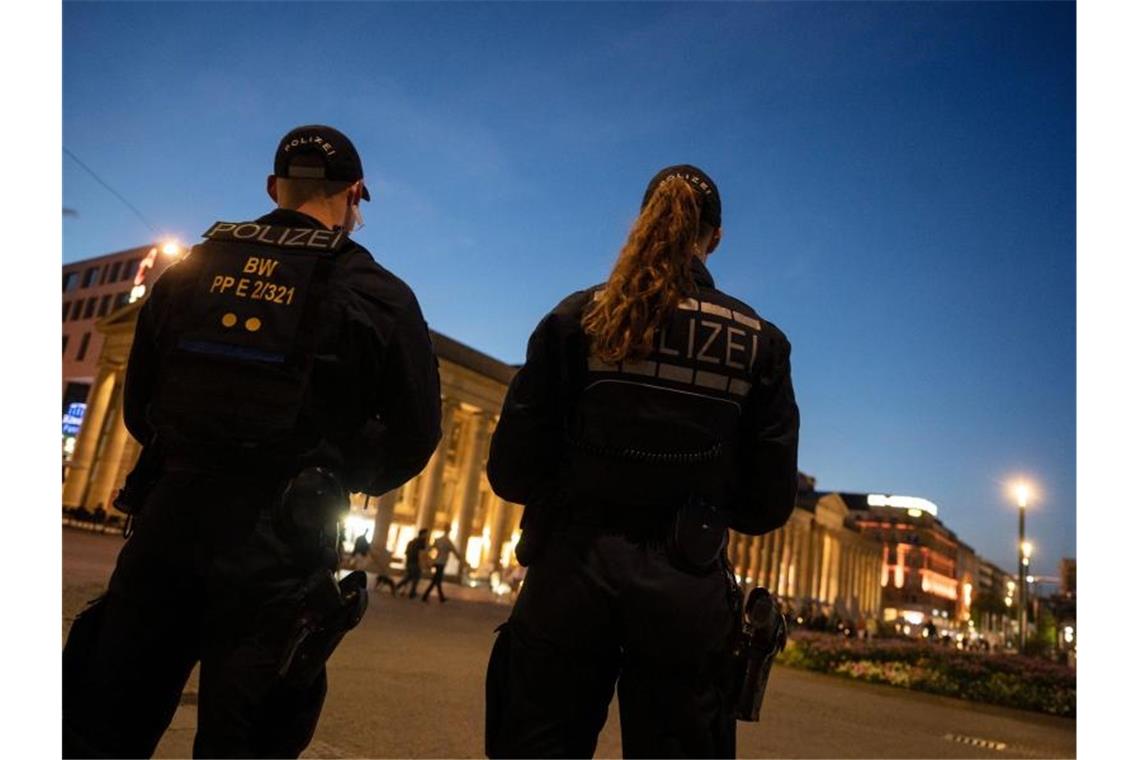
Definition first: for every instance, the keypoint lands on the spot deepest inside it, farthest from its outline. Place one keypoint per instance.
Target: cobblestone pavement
(409, 683)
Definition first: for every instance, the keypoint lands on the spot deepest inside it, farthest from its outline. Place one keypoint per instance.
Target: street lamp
(1025, 549)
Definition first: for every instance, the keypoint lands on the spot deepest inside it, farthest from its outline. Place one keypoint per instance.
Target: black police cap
(707, 193)
(338, 155)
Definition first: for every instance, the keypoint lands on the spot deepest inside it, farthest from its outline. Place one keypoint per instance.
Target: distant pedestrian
(360, 549)
(412, 571)
(443, 549)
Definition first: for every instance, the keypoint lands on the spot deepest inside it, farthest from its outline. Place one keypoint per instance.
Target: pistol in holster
(763, 635)
(327, 610)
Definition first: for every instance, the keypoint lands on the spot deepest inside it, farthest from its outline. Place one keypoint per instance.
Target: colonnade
(451, 495)
(809, 563)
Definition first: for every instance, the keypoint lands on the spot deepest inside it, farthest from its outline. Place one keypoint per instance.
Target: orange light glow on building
(938, 584)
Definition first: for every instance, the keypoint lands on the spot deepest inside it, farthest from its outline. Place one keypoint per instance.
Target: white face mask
(357, 219)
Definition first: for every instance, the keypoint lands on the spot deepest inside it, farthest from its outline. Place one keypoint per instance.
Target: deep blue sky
(898, 184)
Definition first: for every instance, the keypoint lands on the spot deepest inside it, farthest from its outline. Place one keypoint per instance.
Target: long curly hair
(652, 274)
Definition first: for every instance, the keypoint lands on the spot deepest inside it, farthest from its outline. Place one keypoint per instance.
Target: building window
(130, 269)
(65, 344)
(76, 309)
(82, 352)
(66, 306)
(70, 281)
(89, 276)
(90, 310)
(113, 270)
(122, 299)
(104, 304)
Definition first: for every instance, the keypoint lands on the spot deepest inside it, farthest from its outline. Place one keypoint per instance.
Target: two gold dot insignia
(229, 319)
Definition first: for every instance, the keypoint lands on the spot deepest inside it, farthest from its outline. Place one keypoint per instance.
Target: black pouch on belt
(697, 537)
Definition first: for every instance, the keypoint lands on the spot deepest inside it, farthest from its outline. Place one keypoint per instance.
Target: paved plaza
(409, 683)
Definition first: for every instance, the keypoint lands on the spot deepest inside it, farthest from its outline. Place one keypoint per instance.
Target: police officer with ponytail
(274, 370)
(653, 413)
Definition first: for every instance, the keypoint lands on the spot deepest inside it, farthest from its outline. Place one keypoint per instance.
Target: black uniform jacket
(710, 412)
(374, 388)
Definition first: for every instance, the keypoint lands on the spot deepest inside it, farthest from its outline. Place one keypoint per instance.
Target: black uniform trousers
(204, 578)
(597, 608)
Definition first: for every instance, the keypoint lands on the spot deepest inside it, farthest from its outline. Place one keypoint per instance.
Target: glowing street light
(1022, 491)
(171, 248)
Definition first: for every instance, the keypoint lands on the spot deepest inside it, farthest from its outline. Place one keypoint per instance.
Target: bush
(1007, 680)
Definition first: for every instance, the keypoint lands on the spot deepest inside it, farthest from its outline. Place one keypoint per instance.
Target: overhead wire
(111, 190)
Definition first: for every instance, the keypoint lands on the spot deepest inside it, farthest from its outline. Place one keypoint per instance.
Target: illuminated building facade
(814, 563)
(926, 572)
(451, 494)
(92, 289)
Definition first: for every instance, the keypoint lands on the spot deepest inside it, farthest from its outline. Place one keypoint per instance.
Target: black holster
(763, 635)
(327, 611)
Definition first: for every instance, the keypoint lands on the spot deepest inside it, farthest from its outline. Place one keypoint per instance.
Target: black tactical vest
(655, 430)
(239, 338)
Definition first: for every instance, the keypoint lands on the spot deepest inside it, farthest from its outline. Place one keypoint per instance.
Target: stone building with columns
(815, 562)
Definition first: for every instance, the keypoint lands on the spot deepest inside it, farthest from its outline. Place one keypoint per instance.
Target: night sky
(898, 182)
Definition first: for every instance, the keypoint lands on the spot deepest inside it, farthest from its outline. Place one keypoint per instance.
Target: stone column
(868, 582)
(500, 531)
(79, 472)
(872, 583)
(432, 486)
(471, 473)
(801, 562)
(385, 507)
(843, 595)
(778, 569)
(770, 561)
(804, 583)
(748, 557)
(494, 534)
(792, 565)
(849, 581)
(106, 468)
(832, 568)
(761, 559)
(808, 584)
(789, 549)
(816, 558)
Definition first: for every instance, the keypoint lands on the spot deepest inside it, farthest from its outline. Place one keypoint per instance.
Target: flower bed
(1007, 680)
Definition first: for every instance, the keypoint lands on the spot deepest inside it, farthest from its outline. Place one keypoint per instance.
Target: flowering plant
(1008, 680)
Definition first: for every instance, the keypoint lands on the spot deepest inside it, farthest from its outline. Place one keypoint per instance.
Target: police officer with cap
(653, 412)
(274, 370)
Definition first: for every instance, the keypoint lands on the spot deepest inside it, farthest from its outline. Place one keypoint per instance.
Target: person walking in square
(442, 549)
(413, 570)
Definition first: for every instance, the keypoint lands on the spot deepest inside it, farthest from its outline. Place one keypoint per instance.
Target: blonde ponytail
(652, 274)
